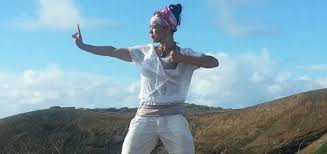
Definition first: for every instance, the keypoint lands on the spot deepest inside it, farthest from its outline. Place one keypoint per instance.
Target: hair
(177, 10)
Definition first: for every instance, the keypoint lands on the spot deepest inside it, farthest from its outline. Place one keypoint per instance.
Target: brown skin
(120, 53)
(159, 34)
(164, 36)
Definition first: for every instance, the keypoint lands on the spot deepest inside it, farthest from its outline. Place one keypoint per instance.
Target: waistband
(161, 110)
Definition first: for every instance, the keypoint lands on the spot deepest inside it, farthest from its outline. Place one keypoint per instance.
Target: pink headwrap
(165, 17)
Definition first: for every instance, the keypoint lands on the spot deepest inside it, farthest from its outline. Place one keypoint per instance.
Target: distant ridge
(296, 123)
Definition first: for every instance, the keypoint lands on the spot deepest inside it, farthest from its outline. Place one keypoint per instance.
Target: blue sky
(267, 50)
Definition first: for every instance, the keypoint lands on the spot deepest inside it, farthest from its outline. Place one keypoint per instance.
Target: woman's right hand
(78, 37)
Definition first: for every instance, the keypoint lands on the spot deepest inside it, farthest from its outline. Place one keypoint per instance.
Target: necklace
(164, 52)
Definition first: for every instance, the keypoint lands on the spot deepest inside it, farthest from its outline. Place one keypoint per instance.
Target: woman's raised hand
(78, 37)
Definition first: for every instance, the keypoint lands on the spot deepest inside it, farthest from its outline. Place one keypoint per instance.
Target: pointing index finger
(78, 29)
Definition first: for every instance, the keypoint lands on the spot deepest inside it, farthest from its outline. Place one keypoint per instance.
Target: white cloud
(247, 79)
(317, 67)
(226, 17)
(52, 86)
(58, 15)
(323, 82)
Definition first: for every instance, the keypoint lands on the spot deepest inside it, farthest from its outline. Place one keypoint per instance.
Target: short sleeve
(190, 52)
(137, 53)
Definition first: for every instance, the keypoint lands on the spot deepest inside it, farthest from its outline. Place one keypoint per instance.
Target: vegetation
(322, 149)
(286, 125)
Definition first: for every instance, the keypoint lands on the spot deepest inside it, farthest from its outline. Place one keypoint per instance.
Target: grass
(322, 149)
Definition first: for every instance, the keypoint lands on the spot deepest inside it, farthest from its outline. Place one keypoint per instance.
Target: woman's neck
(167, 44)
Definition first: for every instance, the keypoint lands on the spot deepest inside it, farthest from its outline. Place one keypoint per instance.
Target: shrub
(322, 149)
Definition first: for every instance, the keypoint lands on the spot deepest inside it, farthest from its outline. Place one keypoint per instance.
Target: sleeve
(190, 52)
(137, 54)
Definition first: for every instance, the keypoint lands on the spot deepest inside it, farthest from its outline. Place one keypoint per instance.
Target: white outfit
(172, 130)
(160, 86)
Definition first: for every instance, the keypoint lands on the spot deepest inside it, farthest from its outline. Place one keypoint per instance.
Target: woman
(166, 72)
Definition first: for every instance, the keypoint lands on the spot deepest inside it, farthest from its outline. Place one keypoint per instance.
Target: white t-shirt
(161, 86)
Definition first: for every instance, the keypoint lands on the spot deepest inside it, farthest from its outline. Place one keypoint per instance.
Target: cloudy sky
(267, 50)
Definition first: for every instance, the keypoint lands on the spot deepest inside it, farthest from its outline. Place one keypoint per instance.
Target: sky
(267, 50)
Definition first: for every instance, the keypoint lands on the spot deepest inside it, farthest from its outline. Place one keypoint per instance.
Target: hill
(287, 125)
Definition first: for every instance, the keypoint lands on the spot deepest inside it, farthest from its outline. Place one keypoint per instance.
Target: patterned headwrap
(165, 17)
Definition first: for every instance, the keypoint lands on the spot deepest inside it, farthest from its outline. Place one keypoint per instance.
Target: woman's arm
(120, 53)
(202, 61)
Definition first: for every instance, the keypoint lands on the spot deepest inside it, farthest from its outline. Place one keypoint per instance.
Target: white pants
(172, 130)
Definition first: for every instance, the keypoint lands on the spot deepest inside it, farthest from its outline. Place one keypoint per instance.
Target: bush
(322, 149)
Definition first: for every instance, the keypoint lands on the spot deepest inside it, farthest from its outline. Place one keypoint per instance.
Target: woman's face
(157, 32)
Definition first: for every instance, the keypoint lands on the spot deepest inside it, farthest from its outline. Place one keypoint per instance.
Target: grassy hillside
(287, 125)
(281, 126)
